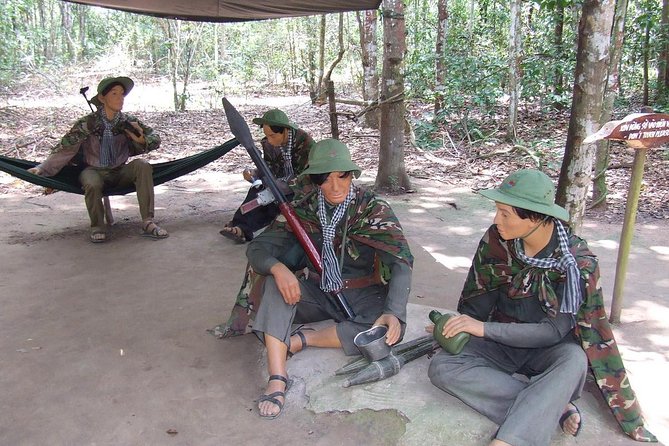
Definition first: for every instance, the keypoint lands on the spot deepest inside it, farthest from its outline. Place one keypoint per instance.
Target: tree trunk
(515, 49)
(66, 25)
(558, 41)
(470, 19)
(440, 61)
(663, 57)
(370, 81)
(590, 75)
(310, 58)
(646, 57)
(340, 54)
(82, 12)
(392, 174)
(599, 189)
(321, 57)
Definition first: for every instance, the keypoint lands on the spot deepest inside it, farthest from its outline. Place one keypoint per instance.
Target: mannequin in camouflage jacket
(101, 143)
(533, 306)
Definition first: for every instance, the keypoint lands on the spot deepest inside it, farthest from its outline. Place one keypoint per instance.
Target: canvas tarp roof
(232, 10)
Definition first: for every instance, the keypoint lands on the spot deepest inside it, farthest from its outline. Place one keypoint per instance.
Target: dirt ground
(107, 344)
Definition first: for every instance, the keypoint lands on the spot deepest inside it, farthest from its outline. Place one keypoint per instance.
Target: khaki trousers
(94, 180)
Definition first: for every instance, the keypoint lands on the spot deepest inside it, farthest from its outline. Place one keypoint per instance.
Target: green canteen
(454, 344)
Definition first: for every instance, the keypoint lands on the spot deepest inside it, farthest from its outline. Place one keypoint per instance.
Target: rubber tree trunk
(515, 43)
(663, 56)
(392, 175)
(599, 189)
(370, 80)
(558, 42)
(440, 59)
(590, 76)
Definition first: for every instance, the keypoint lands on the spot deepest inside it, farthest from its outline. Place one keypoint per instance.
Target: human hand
(250, 175)
(394, 327)
(137, 135)
(35, 171)
(463, 323)
(429, 328)
(287, 283)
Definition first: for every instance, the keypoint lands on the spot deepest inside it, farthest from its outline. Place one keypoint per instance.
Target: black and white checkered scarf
(572, 299)
(107, 155)
(287, 152)
(331, 277)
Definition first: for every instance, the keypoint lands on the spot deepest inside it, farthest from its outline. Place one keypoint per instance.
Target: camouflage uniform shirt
(81, 145)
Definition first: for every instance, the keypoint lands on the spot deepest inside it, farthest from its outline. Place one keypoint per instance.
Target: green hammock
(67, 179)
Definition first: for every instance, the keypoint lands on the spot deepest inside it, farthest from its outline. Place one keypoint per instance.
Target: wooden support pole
(627, 233)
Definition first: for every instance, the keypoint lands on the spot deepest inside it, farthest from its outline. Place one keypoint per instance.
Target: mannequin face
(335, 189)
(113, 100)
(275, 139)
(510, 225)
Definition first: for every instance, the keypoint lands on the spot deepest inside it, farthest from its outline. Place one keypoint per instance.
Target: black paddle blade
(238, 126)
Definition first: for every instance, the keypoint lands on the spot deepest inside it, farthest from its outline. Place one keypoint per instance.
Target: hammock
(67, 179)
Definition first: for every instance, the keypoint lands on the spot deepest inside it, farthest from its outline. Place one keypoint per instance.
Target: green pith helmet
(528, 189)
(126, 82)
(330, 155)
(275, 117)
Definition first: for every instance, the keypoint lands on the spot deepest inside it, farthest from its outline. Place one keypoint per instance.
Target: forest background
(461, 71)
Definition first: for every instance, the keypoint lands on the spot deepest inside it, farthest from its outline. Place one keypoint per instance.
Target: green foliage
(283, 54)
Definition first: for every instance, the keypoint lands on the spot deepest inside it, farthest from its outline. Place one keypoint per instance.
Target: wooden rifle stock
(241, 131)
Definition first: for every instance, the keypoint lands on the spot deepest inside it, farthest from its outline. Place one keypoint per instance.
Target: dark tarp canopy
(232, 10)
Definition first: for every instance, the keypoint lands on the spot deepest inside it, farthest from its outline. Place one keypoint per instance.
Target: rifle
(241, 131)
(83, 91)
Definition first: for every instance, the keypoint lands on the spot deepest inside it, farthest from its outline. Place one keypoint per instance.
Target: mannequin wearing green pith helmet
(285, 150)
(533, 306)
(101, 144)
(364, 253)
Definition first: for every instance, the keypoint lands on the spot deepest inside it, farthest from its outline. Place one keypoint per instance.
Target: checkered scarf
(107, 156)
(286, 151)
(572, 298)
(331, 277)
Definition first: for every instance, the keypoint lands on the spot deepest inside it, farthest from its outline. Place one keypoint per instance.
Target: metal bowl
(372, 343)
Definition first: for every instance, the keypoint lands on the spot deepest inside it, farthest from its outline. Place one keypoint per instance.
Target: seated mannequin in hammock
(106, 139)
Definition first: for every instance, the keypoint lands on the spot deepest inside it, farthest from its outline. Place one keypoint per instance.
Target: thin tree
(558, 43)
(663, 56)
(440, 59)
(183, 39)
(646, 59)
(321, 59)
(370, 76)
(392, 173)
(599, 189)
(590, 76)
(515, 44)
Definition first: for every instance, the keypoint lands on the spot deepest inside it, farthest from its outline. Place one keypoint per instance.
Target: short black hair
(319, 178)
(110, 86)
(532, 215)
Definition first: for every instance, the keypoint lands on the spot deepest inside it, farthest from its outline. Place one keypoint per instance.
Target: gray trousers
(94, 180)
(275, 317)
(527, 412)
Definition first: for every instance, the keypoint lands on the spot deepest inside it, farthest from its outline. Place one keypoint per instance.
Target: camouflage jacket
(496, 264)
(302, 143)
(81, 145)
(370, 222)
